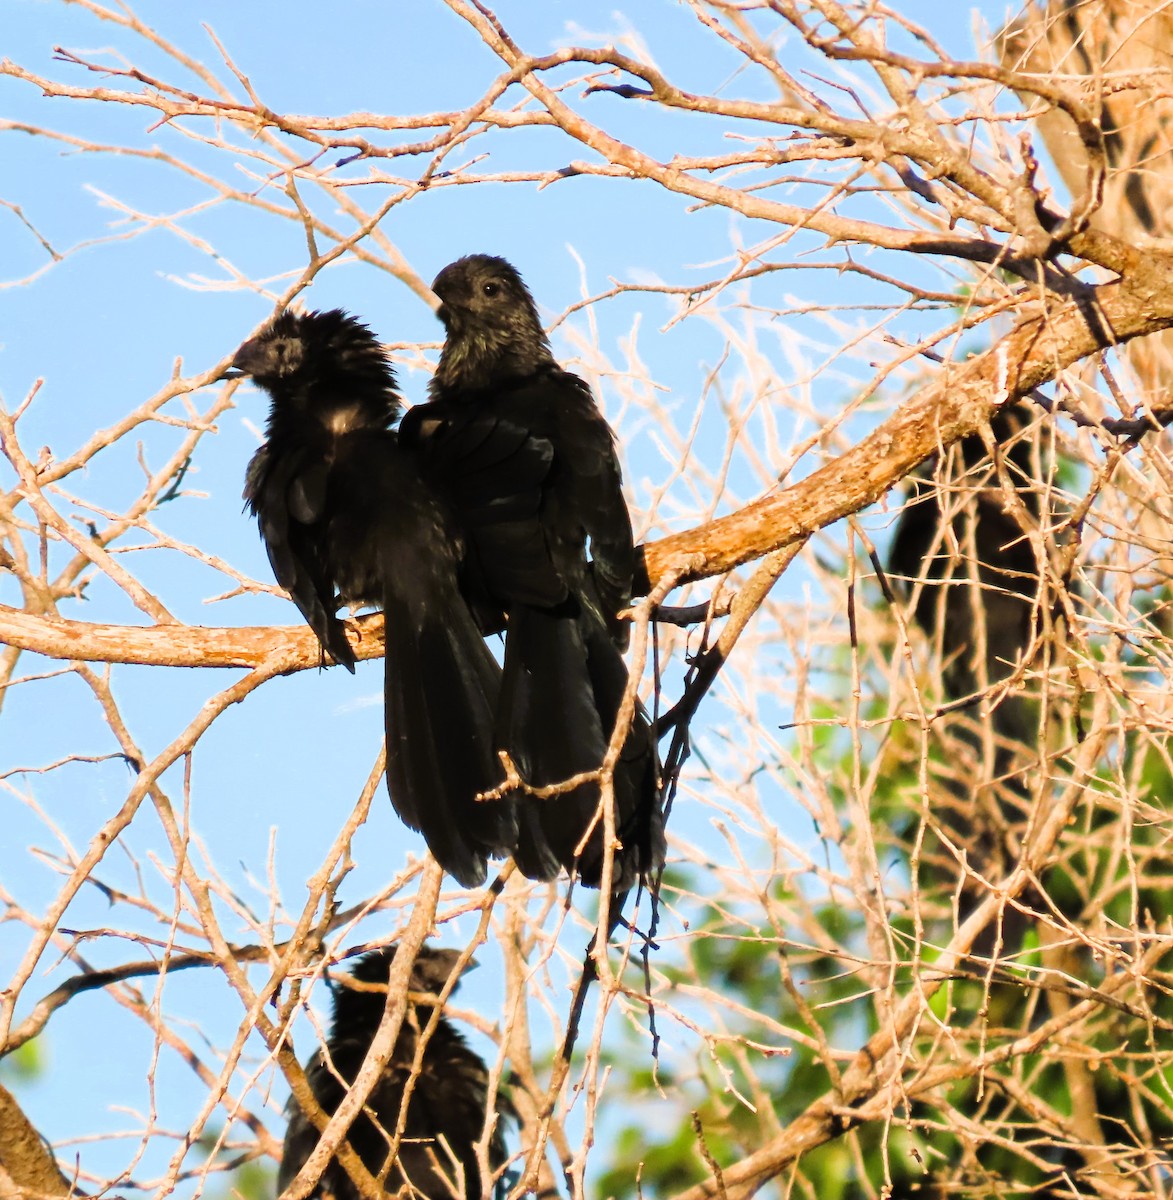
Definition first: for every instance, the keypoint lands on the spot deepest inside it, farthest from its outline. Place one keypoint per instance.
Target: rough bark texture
(27, 1168)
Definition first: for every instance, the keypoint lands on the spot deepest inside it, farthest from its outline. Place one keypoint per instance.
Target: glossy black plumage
(446, 1110)
(347, 518)
(497, 384)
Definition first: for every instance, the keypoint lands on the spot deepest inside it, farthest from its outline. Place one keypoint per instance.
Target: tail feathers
(550, 726)
(535, 857)
(441, 691)
(639, 818)
(561, 693)
(637, 786)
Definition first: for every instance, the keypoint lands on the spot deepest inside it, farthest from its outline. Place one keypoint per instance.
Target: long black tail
(561, 694)
(441, 692)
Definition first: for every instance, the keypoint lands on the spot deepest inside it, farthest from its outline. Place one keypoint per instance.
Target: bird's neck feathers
(357, 1014)
(337, 402)
(478, 355)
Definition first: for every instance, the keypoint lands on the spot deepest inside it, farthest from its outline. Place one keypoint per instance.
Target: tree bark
(27, 1167)
(962, 397)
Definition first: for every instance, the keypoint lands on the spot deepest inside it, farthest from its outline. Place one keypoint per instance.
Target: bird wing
(494, 472)
(286, 489)
(589, 462)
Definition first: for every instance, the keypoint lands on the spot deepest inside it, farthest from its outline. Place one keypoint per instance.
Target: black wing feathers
(293, 540)
(347, 517)
(494, 473)
(564, 674)
(594, 486)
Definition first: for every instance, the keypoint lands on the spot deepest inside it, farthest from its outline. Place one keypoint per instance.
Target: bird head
(277, 352)
(493, 325)
(321, 360)
(429, 972)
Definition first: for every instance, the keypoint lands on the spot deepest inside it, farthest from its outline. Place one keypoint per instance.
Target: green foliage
(25, 1063)
(1018, 1126)
(246, 1179)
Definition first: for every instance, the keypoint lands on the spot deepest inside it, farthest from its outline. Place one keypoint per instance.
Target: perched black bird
(497, 384)
(984, 602)
(346, 517)
(447, 1107)
(980, 587)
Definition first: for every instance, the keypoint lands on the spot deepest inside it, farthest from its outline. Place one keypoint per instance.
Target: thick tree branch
(957, 403)
(960, 399)
(285, 649)
(27, 1168)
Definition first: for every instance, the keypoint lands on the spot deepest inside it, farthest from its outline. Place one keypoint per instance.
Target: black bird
(346, 517)
(983, 602)
(446, 1110)
(979, 590)
(497, 383)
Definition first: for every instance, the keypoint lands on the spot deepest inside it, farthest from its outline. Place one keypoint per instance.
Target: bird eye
(491, 288)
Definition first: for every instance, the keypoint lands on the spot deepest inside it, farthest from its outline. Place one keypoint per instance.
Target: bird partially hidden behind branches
(347, 518)
(565, 675)
(447, 1107)
(962, 548)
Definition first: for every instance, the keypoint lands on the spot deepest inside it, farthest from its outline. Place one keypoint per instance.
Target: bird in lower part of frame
(564, 675)
(347, 518)
(446, 1110)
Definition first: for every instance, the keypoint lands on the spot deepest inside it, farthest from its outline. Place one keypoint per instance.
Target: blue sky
(104, 327)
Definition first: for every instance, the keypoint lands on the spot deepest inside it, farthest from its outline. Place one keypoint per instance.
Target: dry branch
(27, 1168)
(917, 161)
(954, 405)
